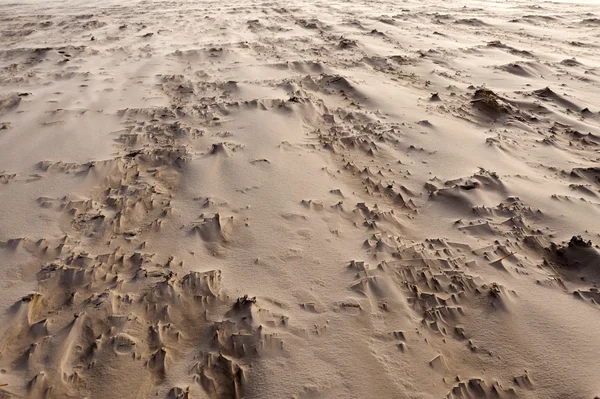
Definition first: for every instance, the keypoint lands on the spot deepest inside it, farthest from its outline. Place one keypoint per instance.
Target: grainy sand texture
(299, 199)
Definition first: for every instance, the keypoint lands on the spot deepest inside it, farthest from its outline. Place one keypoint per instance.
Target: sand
(300, 199)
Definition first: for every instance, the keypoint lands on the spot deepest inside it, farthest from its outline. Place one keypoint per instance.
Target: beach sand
(285, 199)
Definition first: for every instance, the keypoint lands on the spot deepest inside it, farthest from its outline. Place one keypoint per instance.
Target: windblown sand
(299, 199)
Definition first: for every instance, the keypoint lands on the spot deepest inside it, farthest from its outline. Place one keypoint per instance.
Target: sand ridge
(308, 200)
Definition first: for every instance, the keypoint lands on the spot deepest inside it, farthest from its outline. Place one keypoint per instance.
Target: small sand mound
(490, 104)
(591, 21)
(337, 82)
(471, 22)
(9, 102)
(577, 260)
(310, 23)
(516, 69)
(345, 44)
(548, 94)
(591, 174)
(571, 62)
(123, 343)
(498, 44)
(541, 18)
(218, 148)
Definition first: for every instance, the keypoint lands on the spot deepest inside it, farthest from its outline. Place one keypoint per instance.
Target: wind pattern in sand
(299, 199)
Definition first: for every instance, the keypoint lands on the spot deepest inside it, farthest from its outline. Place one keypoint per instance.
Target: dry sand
(299, 199)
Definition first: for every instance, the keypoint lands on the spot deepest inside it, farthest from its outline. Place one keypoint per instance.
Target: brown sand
(299, 199)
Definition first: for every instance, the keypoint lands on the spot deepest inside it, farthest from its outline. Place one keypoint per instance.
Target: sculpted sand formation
(299, 199)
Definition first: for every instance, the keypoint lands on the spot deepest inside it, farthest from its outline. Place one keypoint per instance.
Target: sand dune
(299, 199)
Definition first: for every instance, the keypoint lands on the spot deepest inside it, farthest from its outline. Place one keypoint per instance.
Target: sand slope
(308, 200)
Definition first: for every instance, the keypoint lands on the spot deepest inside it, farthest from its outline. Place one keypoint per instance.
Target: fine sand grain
(299, 199)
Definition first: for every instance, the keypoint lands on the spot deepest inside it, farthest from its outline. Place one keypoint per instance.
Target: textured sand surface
(299, 199)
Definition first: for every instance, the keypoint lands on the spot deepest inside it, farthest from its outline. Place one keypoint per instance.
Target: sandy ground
(299, 199)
